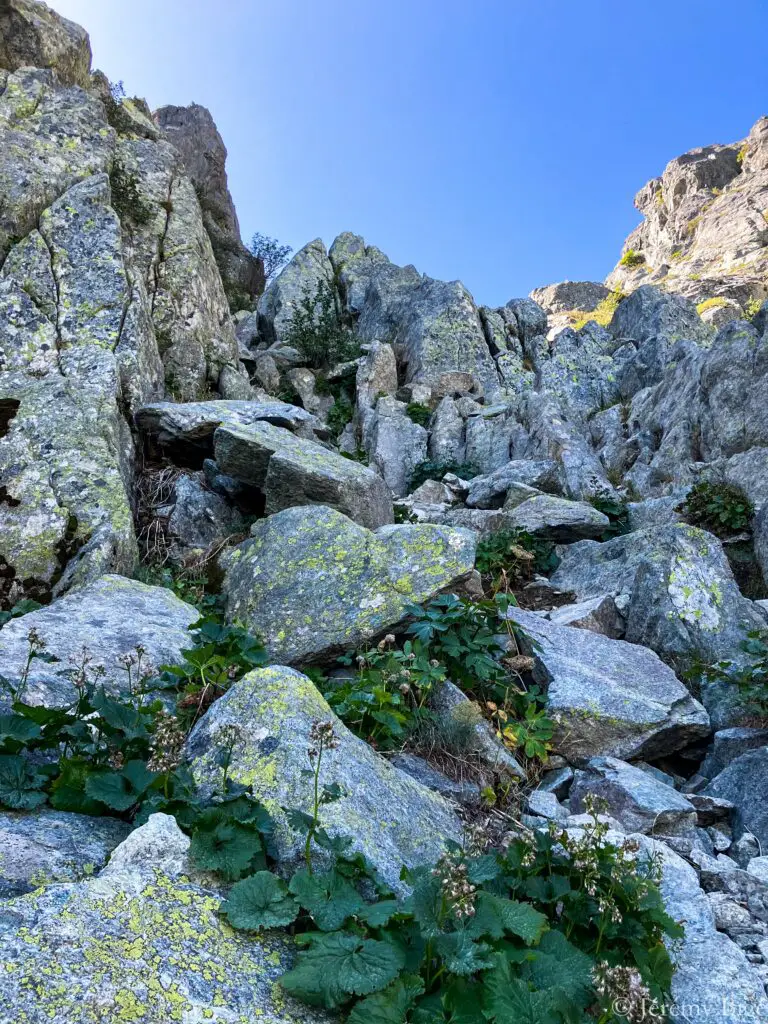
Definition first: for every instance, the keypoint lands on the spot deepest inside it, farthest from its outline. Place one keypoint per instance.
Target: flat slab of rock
(392, 819)
(558, 519)
(109, 618)
(41, 847)
(597, 614)
(177, 426)
(491, 490)
(312, 583)
(140, 943)
(292, 471)
(635, 799)
(609, 697)
(745, 783)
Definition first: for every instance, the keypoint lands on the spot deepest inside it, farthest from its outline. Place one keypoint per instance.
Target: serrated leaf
(558, 965)
(426, 903)
(227, 847)
(483, 869)
(123, 718)
(390, 1006)
(18, 728)
(328, 897)
(120, 790)
(299, 820)
(377, 915)
(496, 916)
(339, 965)
(68, 789)
(20, 784)
(260, 901)
(507, 998)
(462, 955)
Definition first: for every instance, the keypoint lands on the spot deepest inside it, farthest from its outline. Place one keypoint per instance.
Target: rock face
(142, 943)
(609, 697)
(739, 782)
(393, 819)
(193, 132)
(110, 617)
(703, 233)
(51, 846)
(33, 35)
(312, 583)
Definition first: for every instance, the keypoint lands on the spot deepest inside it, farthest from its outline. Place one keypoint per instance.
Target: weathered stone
(490, 491)
(546, 805)
(557, 781)
(110, 617)
(42, 847)
(311, 582)
(390, 817)
(200, 519)
(635, 798)
(467, 793)
(309, 269)
(142, 943)
(558, 519)
(758, 867)
(598, 614)
(745, 777)
(292, 471)
(710, 810)
(608, 697)
(395, 444)
(192, 131)
(33, 35)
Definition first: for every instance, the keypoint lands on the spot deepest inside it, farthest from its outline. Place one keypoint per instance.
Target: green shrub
(515, 553)
(714, 303)
(750, 678)
(431, 470)
(718, 507)
(419, 413)
(603, 313)
(617, 512)
(272, 253)
(317, 330)
(632, 259)
(752, 308)
(126, 198)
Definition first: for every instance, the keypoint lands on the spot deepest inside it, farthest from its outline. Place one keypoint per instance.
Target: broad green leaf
(390, 1006)
(558, 965)
(260, 901)
(20, 784)
(329, 898)
(463, 956)
(120, 790)
(68, 789)
(426, 903)
(18, 728)
(226, 847)
(339, 965)
(496, 916)
(121, 717)
(377, 915)
(508, 998)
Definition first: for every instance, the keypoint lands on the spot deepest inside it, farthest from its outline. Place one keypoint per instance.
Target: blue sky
(496, 141)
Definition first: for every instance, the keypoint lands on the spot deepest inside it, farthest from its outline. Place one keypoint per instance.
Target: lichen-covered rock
(140, 943)
(395, 444)
(193, 132)
(490, 491)
(636, 799)
(558, 519)
(391, 818)
(598, 614)
(292, 471)
(308, 270)
(311, 582)
(609, 697)
(33, 35)
(683, 600)
(200, 518)
(41, 847)
(110, 617)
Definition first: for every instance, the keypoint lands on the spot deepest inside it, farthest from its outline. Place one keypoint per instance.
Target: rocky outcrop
(140, 942)
(33, 35)
(392, 818)
(312, 583)
(192, 131)
(704, 233)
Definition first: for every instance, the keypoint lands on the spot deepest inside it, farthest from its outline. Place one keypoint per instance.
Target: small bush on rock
(632, 259)
(751, 679)
(272, 253)
(418, 413)
(318, 331)
(431, 470)
(126, 198)
(718, 507)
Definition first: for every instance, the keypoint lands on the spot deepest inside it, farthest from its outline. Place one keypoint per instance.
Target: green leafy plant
(386, 700)
(272, 253)
(431, 470)
(617, 512)
(317, 329)
(126, 197)
(749, 676)
(751, 308)
(515, 553)
(718, 507)
(20, 608)
(602, 314)
(418, 413)
(632, 259)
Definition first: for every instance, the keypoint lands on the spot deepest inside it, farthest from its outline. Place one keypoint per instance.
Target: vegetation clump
(126, 197)
(418, 413)
(603, 312)
(434, 470)
(516, 554)
(632, 259)
(318, 330)
(272, 253)
(714, 303)
(721, 508)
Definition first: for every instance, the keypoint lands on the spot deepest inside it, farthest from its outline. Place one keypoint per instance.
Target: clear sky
(496, 141)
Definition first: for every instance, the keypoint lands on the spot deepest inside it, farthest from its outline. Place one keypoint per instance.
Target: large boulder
(608, 697)
(292, 471)
(42, 847)
(33, 35)
(491, 490)
(198, 520)
(745, 782)
(140, 943)
(545, 515)
(307, 271)
(683, 600)
(635, 798)
(313, 583)
(109, 618)
(392, 819)
(193, 132)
